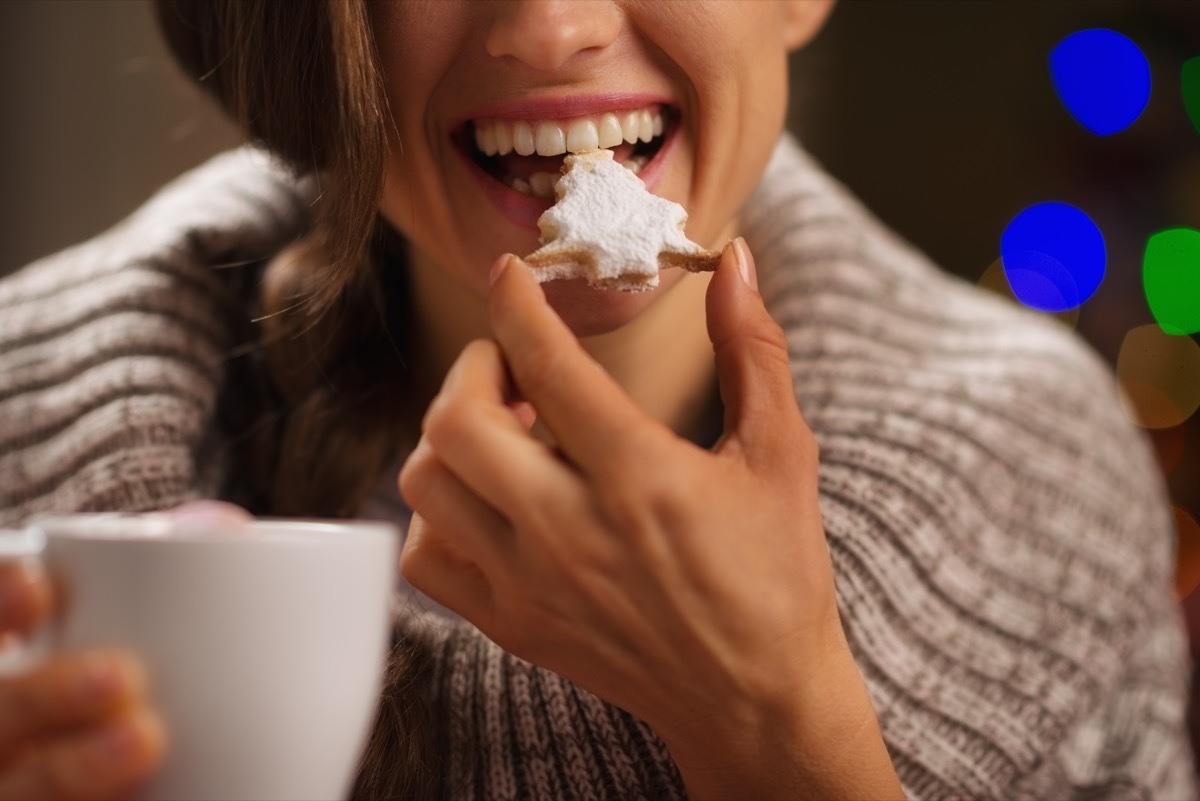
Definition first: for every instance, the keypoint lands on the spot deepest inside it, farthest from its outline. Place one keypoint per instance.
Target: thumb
(751, 358)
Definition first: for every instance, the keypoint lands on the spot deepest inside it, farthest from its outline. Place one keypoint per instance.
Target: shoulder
(111, 351)
(1001, 533)
(899, 364)
(902, 366)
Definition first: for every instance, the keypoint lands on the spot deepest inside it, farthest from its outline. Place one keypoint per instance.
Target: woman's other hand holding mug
(77, 725)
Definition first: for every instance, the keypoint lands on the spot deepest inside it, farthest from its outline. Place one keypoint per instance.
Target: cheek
(415, 199)
(417, 43)
(716, 41)
(733, 60)
(422, 216)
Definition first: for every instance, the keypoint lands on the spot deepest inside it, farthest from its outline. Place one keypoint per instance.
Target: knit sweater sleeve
(112, 352)
(516, 731)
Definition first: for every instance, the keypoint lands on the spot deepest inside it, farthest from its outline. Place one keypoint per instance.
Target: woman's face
(704, 80)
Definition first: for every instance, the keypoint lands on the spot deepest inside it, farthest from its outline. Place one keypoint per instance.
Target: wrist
(815, 736)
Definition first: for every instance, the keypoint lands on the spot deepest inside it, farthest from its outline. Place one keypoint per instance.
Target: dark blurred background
(940, 114)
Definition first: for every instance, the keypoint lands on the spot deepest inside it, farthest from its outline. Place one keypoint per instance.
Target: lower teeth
(541, 184)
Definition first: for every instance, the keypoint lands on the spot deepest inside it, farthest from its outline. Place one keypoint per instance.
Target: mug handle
(18, 655)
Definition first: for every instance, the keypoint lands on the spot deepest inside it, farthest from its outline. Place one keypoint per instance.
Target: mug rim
(160, 528)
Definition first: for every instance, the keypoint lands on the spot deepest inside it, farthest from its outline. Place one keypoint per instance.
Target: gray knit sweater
(1001, 537)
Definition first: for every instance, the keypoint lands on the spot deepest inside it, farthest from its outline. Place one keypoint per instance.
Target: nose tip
(547, 34)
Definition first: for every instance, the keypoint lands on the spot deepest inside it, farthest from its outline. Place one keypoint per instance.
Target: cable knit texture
(1001, 535)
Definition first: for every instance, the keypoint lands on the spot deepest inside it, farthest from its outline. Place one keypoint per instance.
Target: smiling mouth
(527, 155)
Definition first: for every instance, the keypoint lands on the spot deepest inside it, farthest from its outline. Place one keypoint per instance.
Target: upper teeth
(549, 138)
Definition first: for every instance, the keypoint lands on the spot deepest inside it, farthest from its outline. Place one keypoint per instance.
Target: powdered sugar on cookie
(607, 228)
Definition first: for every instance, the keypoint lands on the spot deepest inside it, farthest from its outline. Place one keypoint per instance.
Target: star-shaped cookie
(607, 228)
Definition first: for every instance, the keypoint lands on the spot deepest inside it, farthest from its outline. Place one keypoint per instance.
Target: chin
(590, 312)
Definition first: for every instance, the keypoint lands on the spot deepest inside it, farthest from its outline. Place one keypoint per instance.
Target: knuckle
(436, 413)
(419, 554)
(771, 350)
(485, 352)
(673, 501)
(416, 478)
(774, 333)
(624, 505)
(766, 341)
(634, 458)
(644, 502)
(411, 558)
(444, 421)
(771, 334)
(83, 683)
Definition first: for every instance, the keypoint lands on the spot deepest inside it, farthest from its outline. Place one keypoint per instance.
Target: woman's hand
(692, 588)
(77, 726)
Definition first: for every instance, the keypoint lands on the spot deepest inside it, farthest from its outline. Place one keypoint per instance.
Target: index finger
(585, 410)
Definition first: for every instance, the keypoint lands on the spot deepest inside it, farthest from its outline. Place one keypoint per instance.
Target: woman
(968, 598)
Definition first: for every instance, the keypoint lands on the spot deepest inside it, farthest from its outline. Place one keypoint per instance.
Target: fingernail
(525, 413)
(745, 263)
(499, 267)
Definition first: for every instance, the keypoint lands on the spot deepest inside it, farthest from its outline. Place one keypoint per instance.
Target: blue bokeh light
(1053, 256)
(1102, 78)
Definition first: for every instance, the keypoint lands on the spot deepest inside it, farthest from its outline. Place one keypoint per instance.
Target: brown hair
(302, 79)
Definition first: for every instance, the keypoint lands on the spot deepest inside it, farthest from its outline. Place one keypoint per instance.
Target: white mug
(264, 641)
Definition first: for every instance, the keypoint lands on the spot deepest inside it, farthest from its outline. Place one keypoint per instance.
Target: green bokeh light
(1171, 277)
(1191, 90)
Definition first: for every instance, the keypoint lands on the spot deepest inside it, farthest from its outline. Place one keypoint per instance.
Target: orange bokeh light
(1187, 554)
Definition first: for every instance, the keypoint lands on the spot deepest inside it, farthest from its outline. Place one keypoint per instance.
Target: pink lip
(559, 108)
(524, 210)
